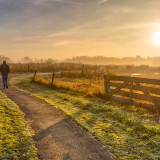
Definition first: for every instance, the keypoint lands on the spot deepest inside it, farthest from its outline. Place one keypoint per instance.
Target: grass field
(127, 131)
(15, 133)
(91, 87)
(86, 86)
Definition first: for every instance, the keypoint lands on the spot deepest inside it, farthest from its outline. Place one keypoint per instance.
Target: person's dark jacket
(4, 68)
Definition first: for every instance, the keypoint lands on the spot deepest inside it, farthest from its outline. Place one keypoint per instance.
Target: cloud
(56, 23)
(64, 43)
(103, 1)
(64, 33)
(139, 25)
(69, 2)
(39, 2)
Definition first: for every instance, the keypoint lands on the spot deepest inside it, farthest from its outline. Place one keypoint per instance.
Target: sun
(156, 38)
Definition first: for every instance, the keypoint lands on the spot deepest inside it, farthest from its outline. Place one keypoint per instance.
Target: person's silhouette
(4, 68)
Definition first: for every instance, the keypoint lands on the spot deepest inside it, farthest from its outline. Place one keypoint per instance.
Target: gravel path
(57, 137)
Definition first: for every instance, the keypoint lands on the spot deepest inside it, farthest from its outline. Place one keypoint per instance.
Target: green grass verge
(129, 132)
(16, 141)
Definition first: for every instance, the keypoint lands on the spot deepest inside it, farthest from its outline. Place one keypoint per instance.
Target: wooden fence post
(52, 77)
(131, 88)
(106, 85)
(35, 74)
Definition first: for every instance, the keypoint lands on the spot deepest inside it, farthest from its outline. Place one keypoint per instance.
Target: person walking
(4, 68)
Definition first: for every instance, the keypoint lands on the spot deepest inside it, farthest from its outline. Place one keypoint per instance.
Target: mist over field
(94, 60)
(100, 60)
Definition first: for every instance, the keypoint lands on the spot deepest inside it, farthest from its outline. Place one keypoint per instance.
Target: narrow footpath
(57, 137)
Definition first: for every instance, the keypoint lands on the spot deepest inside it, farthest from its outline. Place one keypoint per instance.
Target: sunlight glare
(156, 38)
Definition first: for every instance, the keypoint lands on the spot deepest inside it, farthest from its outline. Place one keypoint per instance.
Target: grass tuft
(81, 85)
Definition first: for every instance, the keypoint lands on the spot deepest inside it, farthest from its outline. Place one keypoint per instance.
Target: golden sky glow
(156, 38)
(64, 28)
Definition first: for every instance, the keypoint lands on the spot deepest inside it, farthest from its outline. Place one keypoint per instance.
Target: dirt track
(57, 137)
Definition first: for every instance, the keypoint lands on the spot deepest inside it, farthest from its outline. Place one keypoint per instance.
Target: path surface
(57, 137)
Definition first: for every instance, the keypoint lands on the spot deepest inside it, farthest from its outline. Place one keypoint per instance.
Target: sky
(61, 29)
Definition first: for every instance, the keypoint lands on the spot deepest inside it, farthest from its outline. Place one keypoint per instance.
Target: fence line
(133, 90)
